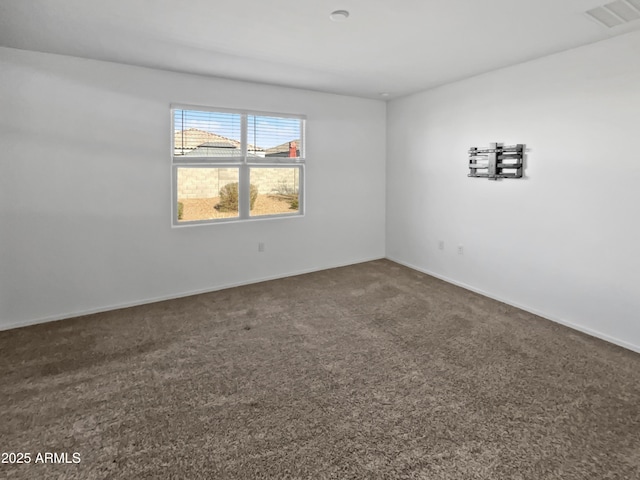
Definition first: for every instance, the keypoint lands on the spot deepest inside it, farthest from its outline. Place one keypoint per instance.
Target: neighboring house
(288, 149)
(199, 143)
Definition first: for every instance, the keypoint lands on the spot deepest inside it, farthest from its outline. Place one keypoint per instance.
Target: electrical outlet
(261, 246)
(441, 245)
(460, 250)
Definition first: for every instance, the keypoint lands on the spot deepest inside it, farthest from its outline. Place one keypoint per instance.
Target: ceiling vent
(616, 13)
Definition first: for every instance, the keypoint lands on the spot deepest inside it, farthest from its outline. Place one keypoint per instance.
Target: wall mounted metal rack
(497, 161)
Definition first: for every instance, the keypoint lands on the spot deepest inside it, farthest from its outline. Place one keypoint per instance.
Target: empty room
(331, 239)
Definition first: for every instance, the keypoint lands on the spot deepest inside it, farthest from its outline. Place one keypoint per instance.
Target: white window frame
(243, 163)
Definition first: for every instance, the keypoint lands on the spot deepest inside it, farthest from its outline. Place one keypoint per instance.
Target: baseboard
(55, 318)
(526, 308)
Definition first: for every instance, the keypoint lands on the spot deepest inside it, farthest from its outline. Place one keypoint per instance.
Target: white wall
(565, 241)
(85, 188)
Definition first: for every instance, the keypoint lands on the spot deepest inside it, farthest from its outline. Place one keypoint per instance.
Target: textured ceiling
(398, 47)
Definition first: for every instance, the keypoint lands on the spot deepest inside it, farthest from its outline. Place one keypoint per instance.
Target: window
(236, 165)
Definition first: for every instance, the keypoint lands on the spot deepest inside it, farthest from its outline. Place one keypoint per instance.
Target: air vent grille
(616, 13)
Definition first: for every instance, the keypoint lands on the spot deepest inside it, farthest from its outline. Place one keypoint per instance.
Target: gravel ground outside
(203, 208)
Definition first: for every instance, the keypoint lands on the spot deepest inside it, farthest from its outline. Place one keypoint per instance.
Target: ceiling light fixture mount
(339, 15)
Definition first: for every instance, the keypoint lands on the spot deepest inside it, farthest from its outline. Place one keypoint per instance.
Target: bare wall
(562, 242)
(85, 188)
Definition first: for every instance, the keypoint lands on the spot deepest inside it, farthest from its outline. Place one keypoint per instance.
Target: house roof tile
(193, 138)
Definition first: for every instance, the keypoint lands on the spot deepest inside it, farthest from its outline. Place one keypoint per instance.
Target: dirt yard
(202, 208)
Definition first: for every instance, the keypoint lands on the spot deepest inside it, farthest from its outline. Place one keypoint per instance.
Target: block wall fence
(207, 182)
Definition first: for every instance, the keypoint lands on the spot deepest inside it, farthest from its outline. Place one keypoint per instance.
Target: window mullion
(243, 187)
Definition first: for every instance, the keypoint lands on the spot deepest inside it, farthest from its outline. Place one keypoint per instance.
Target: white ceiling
(399, 46)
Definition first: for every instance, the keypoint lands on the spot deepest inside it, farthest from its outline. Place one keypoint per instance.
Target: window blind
(274, 137)
(207, 134)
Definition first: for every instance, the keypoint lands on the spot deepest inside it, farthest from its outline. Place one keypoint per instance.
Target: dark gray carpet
(372, 371)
